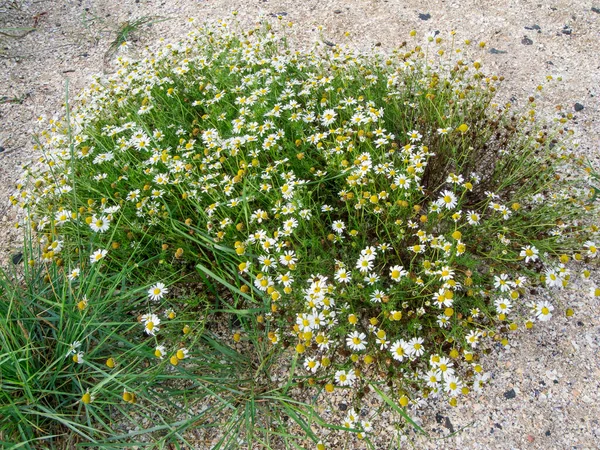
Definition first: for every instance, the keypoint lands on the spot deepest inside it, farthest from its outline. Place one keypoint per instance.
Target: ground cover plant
(281, 225)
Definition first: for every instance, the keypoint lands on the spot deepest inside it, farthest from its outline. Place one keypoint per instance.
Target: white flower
(311, 365)
(151, 323)
(356, 341)
(364, 264)
(447, 199)
(157, 291)
(160, 351)
(397, 272)
(415, 346)
(338, 226)
(400, 350)
(344, 378)
(530, 253)
(97, 256)
(74, 273)
(342, 276)
(328, 117)
(62, 217)
(543, 311)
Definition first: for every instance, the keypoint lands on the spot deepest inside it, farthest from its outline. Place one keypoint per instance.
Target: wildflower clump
(380, 216)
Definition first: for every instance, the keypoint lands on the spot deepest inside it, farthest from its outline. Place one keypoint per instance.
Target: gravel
(545, 386)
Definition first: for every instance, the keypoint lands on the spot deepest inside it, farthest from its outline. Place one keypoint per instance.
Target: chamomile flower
(397, 272)
(97, 256)
(543, 311)
(591, 249)
(160, 351)
(343, 276)
(400, 350)
(345, 378)
(447, 200)
(151, 324)
(530, 253)
(415, 346)
(311, 364)
(364, 264)
(157, 291)
(338, 226)
(452, 385)
(99, 224)
(356, 341)
(74, 273)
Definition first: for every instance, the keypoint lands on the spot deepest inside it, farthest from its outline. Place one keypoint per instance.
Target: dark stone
(510, 394)
(596, 10)
(439, 418)
(328, 43)
(278, 14)
(497, 425)
(1, 149)
(426, 16)
(337, 11)
(533, 27)
(526, 41)
(495, 51)
(17, 257)
(449, 425)
(547, 433)
(579, 323)
(555, 381)
(578, 107)
(566, 30)
(342, 406)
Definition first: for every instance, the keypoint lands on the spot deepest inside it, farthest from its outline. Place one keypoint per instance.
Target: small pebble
(1, 149)
(510, 394)
(337, 11)
(449, 425)
(17, 258)
(495, 51)
(534, 27)
(526, 41)
(426, 16)
(596, 10)
(578, 107)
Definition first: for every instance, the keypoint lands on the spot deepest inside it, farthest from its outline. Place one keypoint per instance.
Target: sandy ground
(545, 391)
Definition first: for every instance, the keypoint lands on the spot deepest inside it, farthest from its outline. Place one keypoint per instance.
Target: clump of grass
(369, 222)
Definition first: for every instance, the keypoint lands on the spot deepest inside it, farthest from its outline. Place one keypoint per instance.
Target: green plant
(373, 220)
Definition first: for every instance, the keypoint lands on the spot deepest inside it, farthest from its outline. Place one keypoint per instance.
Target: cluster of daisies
(309, 171)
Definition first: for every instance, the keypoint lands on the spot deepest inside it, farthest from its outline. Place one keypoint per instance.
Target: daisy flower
(400, 350)
(364, 264)
(415, 346)
(311, 365)
(160, 351)
(328, 117)
(157, 291)
(530, 253)
(97, 256)
(338, 226)
(151, 324)
(345, 378)
(502, 282)
(343, 276)
(356, 341)
(452, 385)
(543, 311)
(473, 218)
(74, 273)
(447, 200)
(592, 249)
(397, 272)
